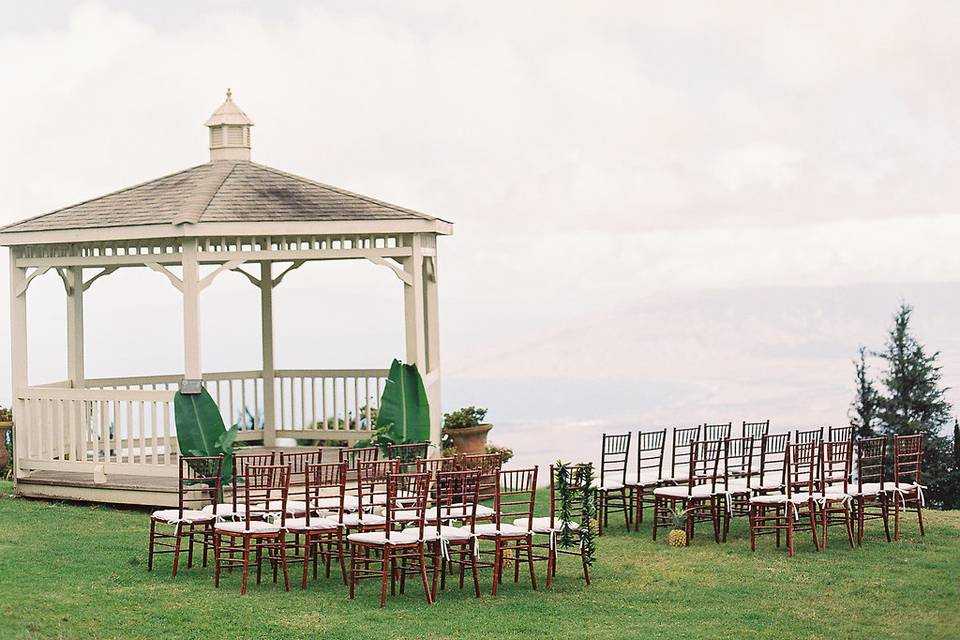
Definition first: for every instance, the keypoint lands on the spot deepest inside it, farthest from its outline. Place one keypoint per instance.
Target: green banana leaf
(200, 429)
(404, 412)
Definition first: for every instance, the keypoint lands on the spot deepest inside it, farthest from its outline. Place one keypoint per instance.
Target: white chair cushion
(447, 533)
(488, 529)
(226, 509)
(644, 482)
(780, 498)
(680, 491)
(294, 507)
(256, 526)
(609, 485)
(350, 503)
(190, 516)
(542, 525)
(316, 524)
(369, 519)
(380, 537)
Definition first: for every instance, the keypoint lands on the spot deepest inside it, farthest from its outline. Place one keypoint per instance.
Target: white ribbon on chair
(903, 494)
(444, 548)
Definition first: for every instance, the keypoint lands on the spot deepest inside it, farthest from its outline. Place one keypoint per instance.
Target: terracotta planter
(470, 439)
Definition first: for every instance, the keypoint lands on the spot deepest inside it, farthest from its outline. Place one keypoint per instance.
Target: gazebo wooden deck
(114, 439)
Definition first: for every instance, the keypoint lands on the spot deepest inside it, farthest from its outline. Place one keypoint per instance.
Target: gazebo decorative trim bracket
(174, 280)
(38, 271)
(105, 272)
(405, 277)
(296, 265)
(207, 280)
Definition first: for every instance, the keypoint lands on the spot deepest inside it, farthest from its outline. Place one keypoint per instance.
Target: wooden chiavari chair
(298, 461)
(773, 463)
(683, 439)
(650, 449)
(489, 465)
(515, 500)
(716, 431)
(836, 434)
(553, 525)
(198, 484)
(408, 454)
(234, 508)
(739, 479)
(906, 488)
(264, 493)
(376, 554)
(610, 487)
(372, 484)
(455, 497)
(870, 501)
(836, 461)
(322, 535)
(801, 436)
(353, 456)
(755, 430)
(698, 495)
(797, 502)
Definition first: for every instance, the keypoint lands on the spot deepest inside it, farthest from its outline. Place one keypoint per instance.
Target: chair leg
(176, 549)
(789, 531)
(246, 564)
(860, 507)
(813, 524)
(753, 536)
(307, 543)
(423, 574)
(340, 554)
(283, 561)
(216, 560)
(885, 513)
(190, 533)
(385, 567)
(473, 566)
(153, 533)
(896, 519)
(657, 503)
(497, 564)
(920, 515)
(533, 573)
(849, 521)
(353, 569)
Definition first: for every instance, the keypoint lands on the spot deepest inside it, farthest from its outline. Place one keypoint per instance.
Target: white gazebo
(114, 439)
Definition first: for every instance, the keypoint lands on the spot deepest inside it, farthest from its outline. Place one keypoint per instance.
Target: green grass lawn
(75, 571)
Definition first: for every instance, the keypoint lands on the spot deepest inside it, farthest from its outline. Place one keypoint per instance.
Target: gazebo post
(18, 348)
(266, 340)
(75, 365)
(432, 317)
(418, 298)
(191, 310)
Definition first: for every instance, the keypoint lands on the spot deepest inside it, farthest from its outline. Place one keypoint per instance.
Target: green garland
(589, 512)
(573, 483)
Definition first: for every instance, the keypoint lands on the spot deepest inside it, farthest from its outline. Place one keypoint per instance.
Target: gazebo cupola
(229, 132)
(98, 438)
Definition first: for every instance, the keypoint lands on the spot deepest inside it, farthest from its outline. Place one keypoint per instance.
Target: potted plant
(467, 430)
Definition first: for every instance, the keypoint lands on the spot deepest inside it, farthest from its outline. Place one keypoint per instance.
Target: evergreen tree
(914, 401)
(863, 409)
(952, 497)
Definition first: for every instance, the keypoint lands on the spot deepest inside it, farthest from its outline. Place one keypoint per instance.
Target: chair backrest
(458, 492)
(836, 461)
(372, 482)
(716, 431)
(808, 435)
(406, 492)
(433, 466)
(240, 463)
(320, 479)
(836, 434)
(408, 454)
(738, 460)
(801, 461)
(516, 495)
(871, 461)
(650, 448)
(773, 459)
(683, 439)
(705, 456)
(265, 493)
(353, 456)
(298, 461)
(489, 464)
(578, 487)
(614, 459)
(755, 430)
(199, 482)
(907, 459)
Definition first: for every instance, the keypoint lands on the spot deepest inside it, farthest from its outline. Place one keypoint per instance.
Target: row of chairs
(840, 480)
(398, 513)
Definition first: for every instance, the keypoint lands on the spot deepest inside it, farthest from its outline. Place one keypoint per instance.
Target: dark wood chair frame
(408, 454)
(353, 456)
(836, 463)
(737, 465)
(319, 479)
(613, 497)
(773, 463)
(552, 547)
(703, 462)
(198, 485)
(682, 443)
(387, 561)
(719, 431)
(871, 461)
(755, 430)
(372, 486)
(651, 446)
(489, 465)
(240, 463)
(455, 496)
(800, 464)
(262, 485)
(907, 488)
(516, 499)
(835, 434)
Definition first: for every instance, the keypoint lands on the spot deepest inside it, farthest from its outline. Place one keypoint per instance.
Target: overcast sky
(662, 216)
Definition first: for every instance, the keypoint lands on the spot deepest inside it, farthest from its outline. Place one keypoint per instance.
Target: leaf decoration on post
(200, 429)
(588, 511)
(404, 414)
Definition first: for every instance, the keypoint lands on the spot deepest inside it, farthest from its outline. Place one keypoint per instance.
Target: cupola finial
(229, 132)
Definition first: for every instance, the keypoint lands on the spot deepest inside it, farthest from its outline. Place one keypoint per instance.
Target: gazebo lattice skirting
(114, 439)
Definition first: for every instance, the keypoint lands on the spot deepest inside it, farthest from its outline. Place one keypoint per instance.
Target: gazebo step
(119, 489)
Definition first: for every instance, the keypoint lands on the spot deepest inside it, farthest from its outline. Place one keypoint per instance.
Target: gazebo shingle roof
(224, 191)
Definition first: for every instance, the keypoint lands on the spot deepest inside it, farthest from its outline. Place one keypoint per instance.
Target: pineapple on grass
(678, 535)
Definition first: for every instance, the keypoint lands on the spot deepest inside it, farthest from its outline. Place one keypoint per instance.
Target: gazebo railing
(129, 421)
